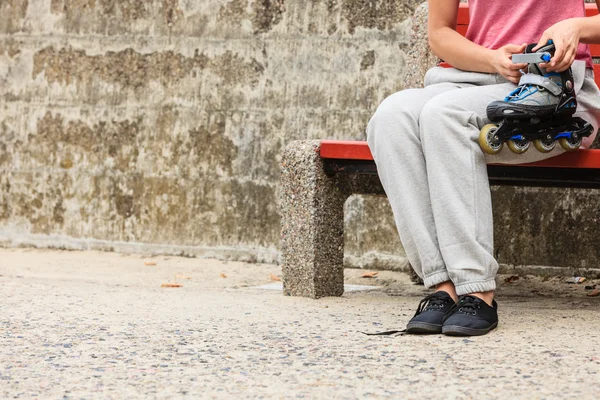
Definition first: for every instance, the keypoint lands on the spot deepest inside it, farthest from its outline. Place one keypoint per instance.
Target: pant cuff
(435, 278)
(474, 287)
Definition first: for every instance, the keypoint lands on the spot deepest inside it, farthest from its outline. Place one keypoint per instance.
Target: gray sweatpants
(425, 145)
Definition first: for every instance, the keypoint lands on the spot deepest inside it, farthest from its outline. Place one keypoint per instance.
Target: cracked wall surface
(159, 125)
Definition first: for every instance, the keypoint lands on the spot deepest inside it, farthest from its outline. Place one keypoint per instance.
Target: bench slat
(359, 150)
(345, 150)
(463, 14)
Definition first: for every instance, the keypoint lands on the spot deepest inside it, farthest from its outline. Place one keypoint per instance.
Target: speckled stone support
(312, 224)
(419, 55)
(312, 221)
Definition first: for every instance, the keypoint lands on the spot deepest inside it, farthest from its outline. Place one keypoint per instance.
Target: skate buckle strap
(546, 83)
(531, 58)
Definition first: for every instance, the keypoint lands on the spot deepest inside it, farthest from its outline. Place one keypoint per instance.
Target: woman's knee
(395, 116)
(445, 121)
(436, 108)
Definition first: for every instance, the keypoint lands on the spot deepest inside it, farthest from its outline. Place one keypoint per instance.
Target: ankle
(447, 287)
(488, 297)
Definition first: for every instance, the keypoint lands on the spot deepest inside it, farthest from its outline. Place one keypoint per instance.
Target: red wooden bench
(318, 176)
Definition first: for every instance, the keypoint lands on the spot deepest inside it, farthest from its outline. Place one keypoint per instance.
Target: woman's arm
(460, 52)
(590, 28)
(567, 35)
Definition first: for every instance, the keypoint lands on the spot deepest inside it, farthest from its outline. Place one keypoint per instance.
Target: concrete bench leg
(312, 226)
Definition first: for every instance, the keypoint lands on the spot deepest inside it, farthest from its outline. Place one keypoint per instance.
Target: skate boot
(539, 110)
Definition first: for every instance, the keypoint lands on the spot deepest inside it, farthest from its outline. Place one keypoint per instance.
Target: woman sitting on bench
(428, 150)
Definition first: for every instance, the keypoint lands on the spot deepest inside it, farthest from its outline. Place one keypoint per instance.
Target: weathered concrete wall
(159, 124)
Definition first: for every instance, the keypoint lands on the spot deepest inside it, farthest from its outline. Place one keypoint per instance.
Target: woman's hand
(502, 62)
(565, 35)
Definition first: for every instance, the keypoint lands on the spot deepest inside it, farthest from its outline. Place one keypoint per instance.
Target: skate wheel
(569, 144)
(544, 146)
(518, 146)
(487, 140)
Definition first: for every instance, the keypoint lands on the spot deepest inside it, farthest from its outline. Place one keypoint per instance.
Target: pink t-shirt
(495, 23)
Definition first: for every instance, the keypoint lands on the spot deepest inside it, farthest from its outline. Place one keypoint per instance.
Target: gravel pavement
(99, 325)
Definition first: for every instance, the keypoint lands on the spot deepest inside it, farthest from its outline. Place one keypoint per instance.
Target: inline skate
(539, 110)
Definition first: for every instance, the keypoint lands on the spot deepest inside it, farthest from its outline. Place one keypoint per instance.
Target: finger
(511, 72)
(516, 76)
(572, 60)
(542, 42)
(570, 55)
(558, 54)
(513, 79)
(511, 76)
(522, 48)
(564, 63)
(516, 67)
(515, 48)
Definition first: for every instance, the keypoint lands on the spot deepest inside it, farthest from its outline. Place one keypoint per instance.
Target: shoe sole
(456, 330)
(423, 328)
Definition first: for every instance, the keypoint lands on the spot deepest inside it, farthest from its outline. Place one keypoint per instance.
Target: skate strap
(538, 80)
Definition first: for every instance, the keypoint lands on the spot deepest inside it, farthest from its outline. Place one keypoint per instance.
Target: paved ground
(88, 324)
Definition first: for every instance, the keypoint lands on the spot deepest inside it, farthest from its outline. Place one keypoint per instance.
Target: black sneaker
(471, 317)
(430, 314)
